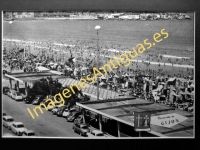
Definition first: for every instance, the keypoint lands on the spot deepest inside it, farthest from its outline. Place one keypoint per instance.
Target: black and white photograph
(98, 74)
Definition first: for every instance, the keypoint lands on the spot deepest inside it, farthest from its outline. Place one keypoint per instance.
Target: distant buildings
(97, 15)
(19, 15)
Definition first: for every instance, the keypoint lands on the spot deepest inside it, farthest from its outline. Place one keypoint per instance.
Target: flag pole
(24, 53)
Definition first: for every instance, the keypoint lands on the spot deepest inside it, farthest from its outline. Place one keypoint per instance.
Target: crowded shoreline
(150, 84)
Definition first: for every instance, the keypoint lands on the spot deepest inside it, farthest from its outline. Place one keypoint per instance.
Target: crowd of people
(142, 79)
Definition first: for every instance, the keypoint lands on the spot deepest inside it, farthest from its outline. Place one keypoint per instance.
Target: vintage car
(5, 90)
(66, 112)
(10, 93)
(71, 117)
(81, 129)
(29, 133)
(17, 96)
(8, 121)
(38, 99)
(96, 134)
(18, 128)
(55, 109)
(28, 99)
(60, 110)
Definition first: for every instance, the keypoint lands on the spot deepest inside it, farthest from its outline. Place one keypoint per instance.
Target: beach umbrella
(181, 93)
(188, 93)
(102, 83)
(192, 85)
(102, 77)
(162, 83)
(126, 74)
(68, 68)
(174, 94)
(192, 93)
(115, 76)
(84, 68)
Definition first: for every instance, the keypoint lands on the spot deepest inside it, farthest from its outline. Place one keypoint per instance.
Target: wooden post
(139, 133)
(83, 112)
(26, 89)
(17, 86)
(118, 128)
(10, 83)
(100, 122)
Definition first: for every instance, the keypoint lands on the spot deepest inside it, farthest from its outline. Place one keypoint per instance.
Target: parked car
(28, 99)
(43, 102)
(10, 93)
(8, 121)
(60, 110)
(56, 104)
(71, 117)
(191, 109)
(47, 102)
(5, 90)
(29, 133)
(79, 119)
(66, 112)
(55, 109)
(38, 99)
(18, 128)
(96, 133)
(17, 96)
(81, 129)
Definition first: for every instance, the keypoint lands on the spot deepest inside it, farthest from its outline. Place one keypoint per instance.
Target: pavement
(45, 125)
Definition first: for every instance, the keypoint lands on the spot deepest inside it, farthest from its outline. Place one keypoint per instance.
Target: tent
(42, 69)
(84, 68)
(192, 92)
(102, 77)
(171, 81)
(181, 93)
(162, 83)
(188, 93)
(57, 72)
(115, 76)
(126, 74)
(68, 68)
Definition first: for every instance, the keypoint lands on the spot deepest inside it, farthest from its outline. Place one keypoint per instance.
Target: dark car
(60, 110)
(79, 119)
(28, 99)
(38, 99)
(81, 129)
(5, 90)
(73, 116)
(45, 102)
